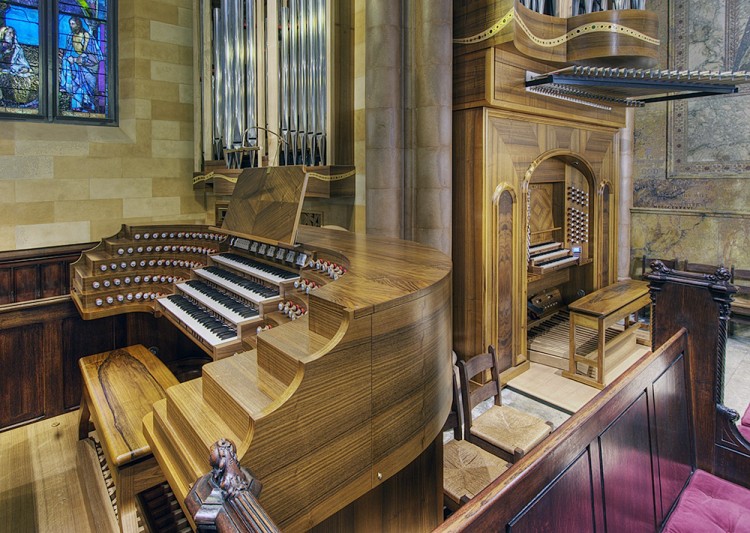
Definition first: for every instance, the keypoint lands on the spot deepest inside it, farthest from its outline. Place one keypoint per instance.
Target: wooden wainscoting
(42, 336)
(39, 273)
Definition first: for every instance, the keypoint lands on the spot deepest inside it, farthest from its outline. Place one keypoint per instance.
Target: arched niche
(567, 202)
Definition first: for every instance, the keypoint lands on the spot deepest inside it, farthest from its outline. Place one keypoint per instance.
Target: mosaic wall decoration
(710, 137)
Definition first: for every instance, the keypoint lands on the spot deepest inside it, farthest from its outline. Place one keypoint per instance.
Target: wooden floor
(39, 489)
(548, 384)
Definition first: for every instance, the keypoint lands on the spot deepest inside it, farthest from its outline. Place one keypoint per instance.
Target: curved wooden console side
(332, 405)
(608, 38)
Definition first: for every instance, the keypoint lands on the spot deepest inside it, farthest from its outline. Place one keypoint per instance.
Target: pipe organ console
(220, 289)
(332, 354)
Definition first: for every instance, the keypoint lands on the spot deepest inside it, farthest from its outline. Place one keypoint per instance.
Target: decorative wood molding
(225, 499)
(612, 37)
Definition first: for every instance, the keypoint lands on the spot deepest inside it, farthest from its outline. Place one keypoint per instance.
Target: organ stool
(119, 388)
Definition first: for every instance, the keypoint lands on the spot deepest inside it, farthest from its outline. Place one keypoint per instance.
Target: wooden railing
(620, 463)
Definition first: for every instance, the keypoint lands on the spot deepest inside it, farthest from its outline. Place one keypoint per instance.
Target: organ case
(534, 196)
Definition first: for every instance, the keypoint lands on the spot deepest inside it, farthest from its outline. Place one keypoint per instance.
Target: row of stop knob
(153, 263)
(136, 280)
(180, 235)
(291, 309)
(173, 248)
(128, 298)
(305, 285)
(334, 270)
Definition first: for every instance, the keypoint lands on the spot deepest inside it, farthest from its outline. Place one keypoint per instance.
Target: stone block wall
(65, 183)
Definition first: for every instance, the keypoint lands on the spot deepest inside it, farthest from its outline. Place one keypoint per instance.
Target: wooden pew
(622, 461)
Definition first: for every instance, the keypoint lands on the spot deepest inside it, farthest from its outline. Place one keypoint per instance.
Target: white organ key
(249, 294)
(260, 271)
(214, 305)
(193, 324)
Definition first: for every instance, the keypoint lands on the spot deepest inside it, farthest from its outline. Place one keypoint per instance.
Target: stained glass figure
(83, 89)
(19, 57)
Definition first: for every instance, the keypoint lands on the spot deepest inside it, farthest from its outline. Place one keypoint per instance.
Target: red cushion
(744, 431)
(746, 417)
(710, 504)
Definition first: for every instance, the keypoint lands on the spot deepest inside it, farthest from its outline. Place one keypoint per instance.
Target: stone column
(384, 144)
(433, 94)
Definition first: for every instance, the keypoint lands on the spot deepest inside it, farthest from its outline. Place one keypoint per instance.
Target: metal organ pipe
(293, 81)
(581, 7)
(250, 78)
(218, 85)
(302, 56)
(284, 98)
(322, 102)
(302, 75)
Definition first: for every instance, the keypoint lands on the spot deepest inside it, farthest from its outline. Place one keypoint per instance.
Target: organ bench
(600, 310)
(119, 388)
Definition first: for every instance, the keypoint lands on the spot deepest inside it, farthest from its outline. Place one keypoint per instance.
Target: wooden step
(194, 423)
(233, 388)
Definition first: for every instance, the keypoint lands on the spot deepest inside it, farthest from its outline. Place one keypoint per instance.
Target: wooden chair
(501, 430)
(741, 304)
(467, 468)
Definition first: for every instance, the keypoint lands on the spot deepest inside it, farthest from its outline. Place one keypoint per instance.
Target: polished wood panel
(40, 354)
(626, 471)
(678, 297)
(378, 336)
(573, 492)
(496, 78)
(506, 342)
(613, 48)
(468, 245)
(610, 38)
(22, 353)
(673, 454)
(39, 273)
(266, 202)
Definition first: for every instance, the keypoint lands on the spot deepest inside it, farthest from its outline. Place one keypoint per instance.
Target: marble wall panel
(691, 193)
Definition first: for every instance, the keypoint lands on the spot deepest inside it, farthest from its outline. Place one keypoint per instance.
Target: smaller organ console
(551, 254)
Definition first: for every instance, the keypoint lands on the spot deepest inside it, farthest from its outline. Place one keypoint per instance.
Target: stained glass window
(20, 72)
(56, 59)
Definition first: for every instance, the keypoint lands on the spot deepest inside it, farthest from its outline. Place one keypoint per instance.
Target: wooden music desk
(600, 310)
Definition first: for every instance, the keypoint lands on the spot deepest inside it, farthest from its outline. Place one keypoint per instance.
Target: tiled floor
(736, 385)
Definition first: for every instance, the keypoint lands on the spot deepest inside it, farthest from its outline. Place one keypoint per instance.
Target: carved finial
(227, 473)
(658, 266)
(723, 274)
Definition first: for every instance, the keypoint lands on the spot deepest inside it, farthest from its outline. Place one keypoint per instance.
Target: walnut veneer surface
(332, 405)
